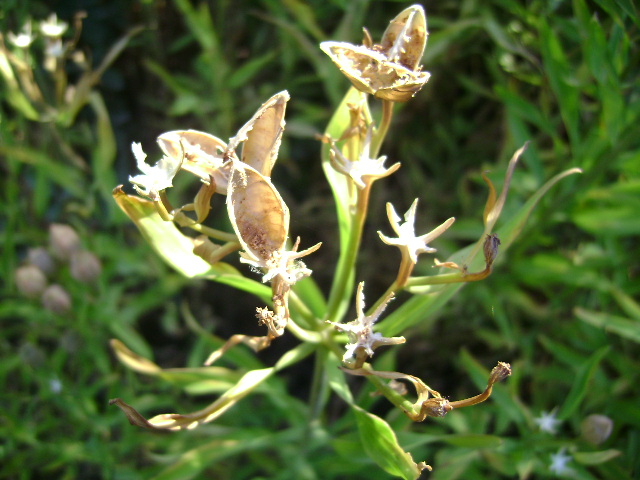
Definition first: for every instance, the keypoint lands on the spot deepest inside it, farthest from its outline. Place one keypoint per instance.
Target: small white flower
(53, 28)
(55, 385)
(407, 240)
(559, 463)
(360, 330)
(24, 38)
(364, 170)
(547, 422)
(156, 178)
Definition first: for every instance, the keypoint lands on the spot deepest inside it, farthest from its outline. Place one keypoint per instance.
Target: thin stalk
(341, 288)
(457, 277)
(381, 131)
(214, 233)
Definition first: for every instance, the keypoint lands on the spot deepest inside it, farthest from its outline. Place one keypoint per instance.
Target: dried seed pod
(30, 281)
(391, 70)
(371, 72)
(262, 135)
(596, 428)
(405, 38)
(41, 258)
(203, 155)
(56, 299)
(258, 215)
(85, 266)
(63, 240)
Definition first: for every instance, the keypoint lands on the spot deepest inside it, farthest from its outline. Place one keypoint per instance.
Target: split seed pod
(261, 136)
(203, 155)
(391, 70)
(258, 215)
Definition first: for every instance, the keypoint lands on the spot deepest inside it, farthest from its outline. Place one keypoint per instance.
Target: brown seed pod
(203, 155)
(262, 135)
(258, 214)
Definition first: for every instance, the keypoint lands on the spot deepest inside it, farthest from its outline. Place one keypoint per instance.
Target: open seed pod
(405, 38)
(262, 134)
(258, 215)
(203, 155)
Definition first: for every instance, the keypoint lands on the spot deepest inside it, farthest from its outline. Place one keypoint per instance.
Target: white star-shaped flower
(24, 38)
(53, 28)
(360, 331)
(547, 422)
(407, 240)
(364, 170)
(559, 463)
(156, 178)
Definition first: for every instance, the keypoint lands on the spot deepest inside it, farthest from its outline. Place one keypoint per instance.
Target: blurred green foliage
(561, 304)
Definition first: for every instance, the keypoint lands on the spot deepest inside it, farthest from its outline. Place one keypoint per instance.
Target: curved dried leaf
(257, 212)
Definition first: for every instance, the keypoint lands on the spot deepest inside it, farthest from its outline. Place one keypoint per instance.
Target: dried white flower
(360, 331)
(156, 178)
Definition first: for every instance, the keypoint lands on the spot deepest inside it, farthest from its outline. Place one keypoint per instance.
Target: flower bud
(56, 299)
(596, 428)
(41, 258)
(30, 281)
(501, 371)
(436, 407)
(490, 248)
(85, 266)
(63, 241)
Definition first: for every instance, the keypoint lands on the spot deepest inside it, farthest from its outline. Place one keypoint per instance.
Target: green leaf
(472, 440)
(338, 182)
(596, 458)
(382, 446)
(559, 74)
(420, 308)
(580, 386)
(176, 249)
(244, 74)
(624, 327)
(337, 380)
(67, 177)
(192, 463)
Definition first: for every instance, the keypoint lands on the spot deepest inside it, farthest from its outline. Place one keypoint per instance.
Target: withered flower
(157, 178)
(364, 170)
(390, 70)
(363, 340)
(408, 242)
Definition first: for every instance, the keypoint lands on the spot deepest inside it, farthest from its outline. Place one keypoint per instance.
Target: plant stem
(345, 272)
(381, 132)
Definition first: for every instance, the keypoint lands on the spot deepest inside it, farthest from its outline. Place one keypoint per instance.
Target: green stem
(381, 131)
(213, 233)
(394, 397)
(457, 277)
(345, 272)
(318, 393)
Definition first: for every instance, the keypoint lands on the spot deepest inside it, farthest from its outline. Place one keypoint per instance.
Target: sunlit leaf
(382, 446)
